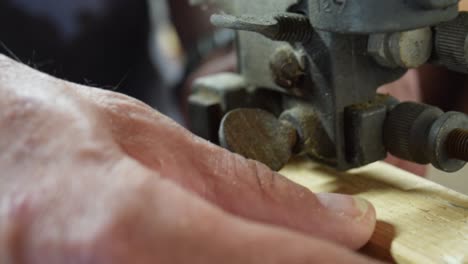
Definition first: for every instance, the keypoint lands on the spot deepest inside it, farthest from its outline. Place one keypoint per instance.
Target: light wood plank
(418, 221)
(464, 5)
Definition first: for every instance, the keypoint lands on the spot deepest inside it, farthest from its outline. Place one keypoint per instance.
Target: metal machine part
(423, 134)
(309, 71)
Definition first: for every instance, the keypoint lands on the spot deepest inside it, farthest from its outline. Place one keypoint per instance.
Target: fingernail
(345, 205)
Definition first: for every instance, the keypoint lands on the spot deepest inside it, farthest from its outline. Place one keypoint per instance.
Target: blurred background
(153, 49)
(144, 48)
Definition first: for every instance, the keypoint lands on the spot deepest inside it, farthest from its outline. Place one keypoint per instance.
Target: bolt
(281, 27)
(457, 144)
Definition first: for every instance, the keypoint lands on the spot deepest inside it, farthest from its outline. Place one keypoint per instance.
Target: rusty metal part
(313, 139)
(258, 135)
(408, 49)
(281, 27)
(437, 141)
(287, 67)
(423, 134)
(451, 44)
(324, 84)
(457, 144)
(211, 98)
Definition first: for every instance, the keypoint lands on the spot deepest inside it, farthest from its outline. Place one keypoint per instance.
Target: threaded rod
(457, 144)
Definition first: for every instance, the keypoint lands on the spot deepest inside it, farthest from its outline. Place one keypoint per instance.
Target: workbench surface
(418, 221)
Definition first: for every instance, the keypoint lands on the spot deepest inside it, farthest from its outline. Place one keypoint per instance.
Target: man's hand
(90, 176)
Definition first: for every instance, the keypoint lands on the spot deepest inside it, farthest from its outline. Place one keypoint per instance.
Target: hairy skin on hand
(91, 176)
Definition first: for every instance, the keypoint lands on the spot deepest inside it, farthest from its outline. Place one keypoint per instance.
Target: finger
(242, 187)
(178, 227)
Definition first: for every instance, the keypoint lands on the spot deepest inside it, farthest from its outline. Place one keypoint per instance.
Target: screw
(457, 144)
(281, 27)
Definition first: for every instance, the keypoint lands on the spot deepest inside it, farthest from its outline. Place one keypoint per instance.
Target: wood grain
(418, 221)
(464, 5)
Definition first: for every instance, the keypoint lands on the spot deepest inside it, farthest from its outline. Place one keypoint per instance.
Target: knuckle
(117, 102)
(21, 107)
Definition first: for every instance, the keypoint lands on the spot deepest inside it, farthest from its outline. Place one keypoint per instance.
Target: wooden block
(464, 5)
(418, 221)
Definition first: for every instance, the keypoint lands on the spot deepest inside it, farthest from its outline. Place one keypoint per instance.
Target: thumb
(242, 187)
(249, 189)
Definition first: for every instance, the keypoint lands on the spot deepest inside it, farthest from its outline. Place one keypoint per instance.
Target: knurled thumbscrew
(425, 134)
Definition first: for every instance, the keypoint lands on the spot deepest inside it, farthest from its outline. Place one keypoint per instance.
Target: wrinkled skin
(91, 176)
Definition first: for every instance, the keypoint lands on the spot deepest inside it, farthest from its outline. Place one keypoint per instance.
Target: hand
(96, 177)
